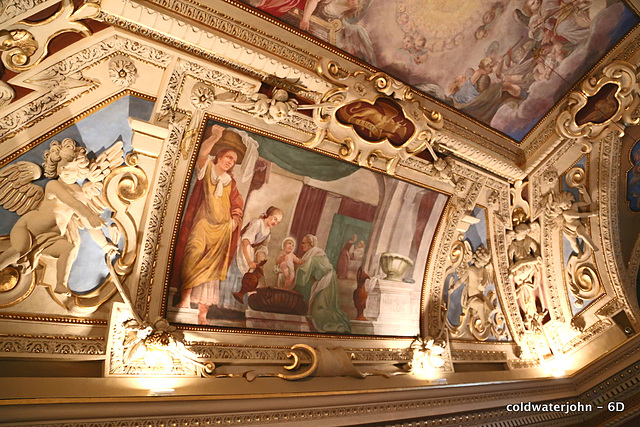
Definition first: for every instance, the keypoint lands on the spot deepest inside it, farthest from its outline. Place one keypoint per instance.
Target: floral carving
(122, 71)
(202, 96)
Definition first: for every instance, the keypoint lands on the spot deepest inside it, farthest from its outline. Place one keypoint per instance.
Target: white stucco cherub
(564, 205)
(52, 217)
(475, 272)
(275, 109)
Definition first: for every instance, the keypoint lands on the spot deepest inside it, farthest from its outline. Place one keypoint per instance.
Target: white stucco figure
(524, 269)
(564, 205)
(52, 217)
(481, 316)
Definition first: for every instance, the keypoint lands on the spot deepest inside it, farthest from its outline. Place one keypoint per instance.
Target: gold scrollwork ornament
(373, 117)
(602, 102)
(25, 44)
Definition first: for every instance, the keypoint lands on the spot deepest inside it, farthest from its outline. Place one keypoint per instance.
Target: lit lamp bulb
(427, 357)
(556, 367)
(156, 357)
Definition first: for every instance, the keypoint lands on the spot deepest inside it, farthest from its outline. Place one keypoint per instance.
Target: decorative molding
(60, 87)
(236, 30)
(587, 335)
(612, 110)
(543, 136)
(511, 152)
(630, 49)
(610, 238)
(153, 228)
(12, 345)
(246, 354)
(10, 9)
(477, 157)
(373, 117)
(212, 47)
(478, 356)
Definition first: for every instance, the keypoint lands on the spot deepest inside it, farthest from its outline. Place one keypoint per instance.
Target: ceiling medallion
(374, 118)
(603, 102)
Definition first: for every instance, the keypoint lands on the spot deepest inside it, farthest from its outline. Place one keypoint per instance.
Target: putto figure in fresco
(286, 262)
(317, 282)
(211, 227)
(52, 217)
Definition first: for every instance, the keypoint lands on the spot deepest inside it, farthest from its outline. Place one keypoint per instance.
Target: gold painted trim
(24, 296)
(54, 337)
(53, 319)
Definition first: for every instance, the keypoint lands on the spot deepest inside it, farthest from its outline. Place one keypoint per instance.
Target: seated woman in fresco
(252, 250)
(317, 282)
(211, 224)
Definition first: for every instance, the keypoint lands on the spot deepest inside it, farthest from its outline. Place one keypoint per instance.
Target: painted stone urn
(394, 265)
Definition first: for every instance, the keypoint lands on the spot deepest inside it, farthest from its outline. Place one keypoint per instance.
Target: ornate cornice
(10, 10)
(58, 84)
(480, 158)
(293, 64)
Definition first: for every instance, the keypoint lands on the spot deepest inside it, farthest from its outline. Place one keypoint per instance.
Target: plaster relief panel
(472, 303)
(62, 222)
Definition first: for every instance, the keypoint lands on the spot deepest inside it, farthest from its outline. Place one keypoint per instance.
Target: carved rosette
(601, 103)
(374, 118)
(122, 71)
(202, 96)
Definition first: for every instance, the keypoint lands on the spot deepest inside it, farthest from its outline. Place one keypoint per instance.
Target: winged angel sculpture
(51, 217)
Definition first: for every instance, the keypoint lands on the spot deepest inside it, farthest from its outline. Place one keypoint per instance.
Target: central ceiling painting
(504, 63)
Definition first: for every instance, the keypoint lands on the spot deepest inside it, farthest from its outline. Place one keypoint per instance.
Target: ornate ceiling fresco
(504, 63)
(200, 202)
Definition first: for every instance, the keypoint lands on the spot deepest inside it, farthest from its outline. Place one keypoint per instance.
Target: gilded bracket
(373, 117)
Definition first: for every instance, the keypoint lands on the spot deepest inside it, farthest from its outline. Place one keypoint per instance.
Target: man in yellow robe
(212, 222)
